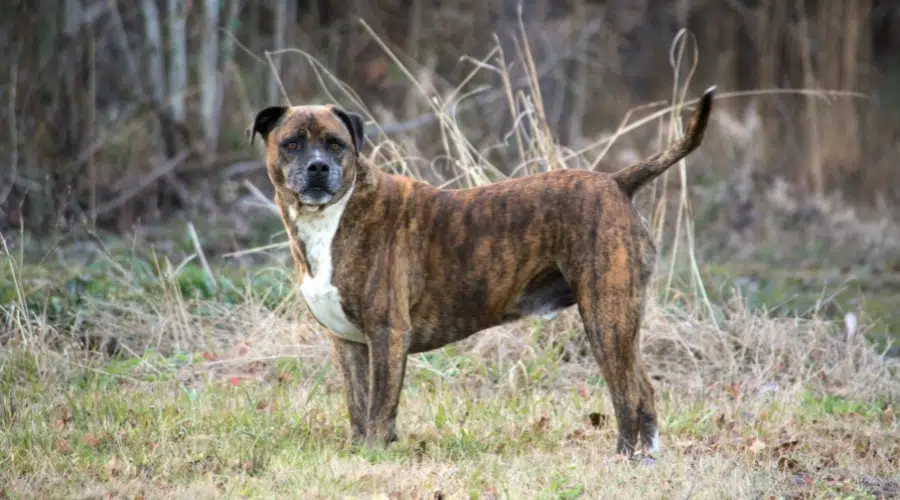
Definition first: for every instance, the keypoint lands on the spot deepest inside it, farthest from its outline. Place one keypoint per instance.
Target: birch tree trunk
(177, 58)
(227, 55)
(209, 78)
(154, 46)
(281, 14)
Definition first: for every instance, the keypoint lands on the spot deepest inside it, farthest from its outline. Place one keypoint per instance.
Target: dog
(393, 266)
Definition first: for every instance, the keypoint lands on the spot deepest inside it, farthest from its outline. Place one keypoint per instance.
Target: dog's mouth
(311, 193)
(315, 195)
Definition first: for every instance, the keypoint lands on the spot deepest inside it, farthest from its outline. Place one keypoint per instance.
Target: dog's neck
(313, 229)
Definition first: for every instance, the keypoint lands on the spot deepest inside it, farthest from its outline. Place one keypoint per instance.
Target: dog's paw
(655, 447)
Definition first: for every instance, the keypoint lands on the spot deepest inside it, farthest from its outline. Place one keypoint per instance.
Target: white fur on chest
(316, 231)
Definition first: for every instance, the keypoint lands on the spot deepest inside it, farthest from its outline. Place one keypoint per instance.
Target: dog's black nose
(317, 168)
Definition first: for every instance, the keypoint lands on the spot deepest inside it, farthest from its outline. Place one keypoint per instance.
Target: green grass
(229, 391)
(136, 427)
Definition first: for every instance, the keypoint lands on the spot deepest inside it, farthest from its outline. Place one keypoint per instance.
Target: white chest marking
(316, 231)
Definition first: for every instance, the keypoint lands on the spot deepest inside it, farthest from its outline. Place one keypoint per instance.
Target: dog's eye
(292, 146)
(335, 147)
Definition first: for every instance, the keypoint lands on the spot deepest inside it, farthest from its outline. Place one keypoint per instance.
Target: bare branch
(155, 174)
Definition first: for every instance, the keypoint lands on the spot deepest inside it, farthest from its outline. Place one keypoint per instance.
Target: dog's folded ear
(265, 121)
(354, 124)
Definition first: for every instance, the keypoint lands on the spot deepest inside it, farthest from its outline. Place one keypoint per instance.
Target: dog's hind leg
(614, 342)
(611, 307)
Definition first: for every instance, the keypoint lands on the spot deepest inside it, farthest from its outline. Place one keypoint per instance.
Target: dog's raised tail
(636, 176)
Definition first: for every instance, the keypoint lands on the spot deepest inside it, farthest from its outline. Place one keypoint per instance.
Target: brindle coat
(415, 267)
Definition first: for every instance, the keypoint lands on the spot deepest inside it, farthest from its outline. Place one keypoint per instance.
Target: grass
(243, 401)
(221, 385)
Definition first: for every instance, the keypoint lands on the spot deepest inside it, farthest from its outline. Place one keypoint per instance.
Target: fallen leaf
(62, 446)
(787, 464)
(209, 356)
(887, 416)
(541, 424)
(114, 467)
(584, 392)
(90, 440)
(62, 417)
(576, 435)
(283, 377)
(491, 493)
(598, 420)
(788, 445)
(262, 405)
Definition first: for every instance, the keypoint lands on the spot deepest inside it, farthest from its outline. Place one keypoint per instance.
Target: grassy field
(227, 390)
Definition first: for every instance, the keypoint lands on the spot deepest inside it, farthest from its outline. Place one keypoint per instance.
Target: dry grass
(215, 398)
(248, 404)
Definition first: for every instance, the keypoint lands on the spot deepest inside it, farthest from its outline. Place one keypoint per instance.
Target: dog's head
(311, 151)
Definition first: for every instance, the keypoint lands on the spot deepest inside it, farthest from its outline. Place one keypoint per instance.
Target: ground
(228, 390)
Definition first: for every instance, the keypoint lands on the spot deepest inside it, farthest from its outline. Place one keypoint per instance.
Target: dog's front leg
(352, 358)
(388, 348)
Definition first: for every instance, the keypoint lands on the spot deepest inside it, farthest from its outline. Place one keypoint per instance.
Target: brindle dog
(393, 266)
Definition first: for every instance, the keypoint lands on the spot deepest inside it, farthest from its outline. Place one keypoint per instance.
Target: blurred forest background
(114, 112)
(129, 117)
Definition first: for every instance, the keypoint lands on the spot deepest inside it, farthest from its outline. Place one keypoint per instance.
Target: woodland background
(114, 112)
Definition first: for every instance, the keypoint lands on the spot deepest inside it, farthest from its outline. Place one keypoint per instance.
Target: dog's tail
(634, 177)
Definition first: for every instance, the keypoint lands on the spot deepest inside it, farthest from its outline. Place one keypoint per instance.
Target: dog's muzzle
(316, 182)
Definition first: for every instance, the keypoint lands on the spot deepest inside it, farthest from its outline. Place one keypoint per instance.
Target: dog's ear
(265, 121)
(354, 124)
